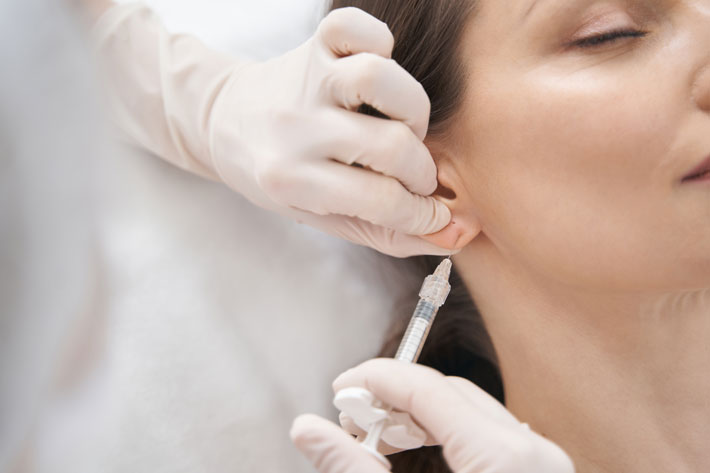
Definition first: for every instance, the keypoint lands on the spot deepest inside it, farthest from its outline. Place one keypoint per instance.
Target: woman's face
(572, 153)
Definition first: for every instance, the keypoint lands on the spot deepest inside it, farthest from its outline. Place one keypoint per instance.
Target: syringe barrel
(417, 331)
(432, 295)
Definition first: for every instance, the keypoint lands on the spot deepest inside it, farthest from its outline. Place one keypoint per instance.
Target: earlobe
(454, 236)
(457, 234)
(464, 225)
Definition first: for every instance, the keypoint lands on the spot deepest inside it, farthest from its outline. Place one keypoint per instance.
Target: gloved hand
(478, 434)
(285, 133)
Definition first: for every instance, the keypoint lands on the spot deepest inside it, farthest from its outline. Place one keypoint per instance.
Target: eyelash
(594, 41)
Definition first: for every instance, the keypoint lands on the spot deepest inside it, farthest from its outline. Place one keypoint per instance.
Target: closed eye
(610, 37)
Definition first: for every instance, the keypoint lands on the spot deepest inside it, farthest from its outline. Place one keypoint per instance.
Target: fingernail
(443, 210)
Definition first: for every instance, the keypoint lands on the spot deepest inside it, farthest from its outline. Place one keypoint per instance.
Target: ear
(464, 224)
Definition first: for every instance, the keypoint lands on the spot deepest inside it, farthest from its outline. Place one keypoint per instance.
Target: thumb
(330, 449)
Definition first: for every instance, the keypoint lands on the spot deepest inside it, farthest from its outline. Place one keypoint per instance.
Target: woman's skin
(588, 258)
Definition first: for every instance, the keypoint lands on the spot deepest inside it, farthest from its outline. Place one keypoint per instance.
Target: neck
(618, 380)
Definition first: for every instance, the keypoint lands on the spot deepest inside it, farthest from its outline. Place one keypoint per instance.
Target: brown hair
(427, 36)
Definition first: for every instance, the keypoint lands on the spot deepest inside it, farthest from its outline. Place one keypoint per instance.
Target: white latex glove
(285, 132)
(477, 433)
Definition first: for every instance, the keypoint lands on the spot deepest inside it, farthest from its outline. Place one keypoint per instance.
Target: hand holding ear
(285, 133)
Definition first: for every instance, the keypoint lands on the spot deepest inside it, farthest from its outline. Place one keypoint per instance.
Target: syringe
(432, 295)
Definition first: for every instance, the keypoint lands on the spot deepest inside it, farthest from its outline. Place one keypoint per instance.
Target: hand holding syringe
(476, 432)
(432, 295)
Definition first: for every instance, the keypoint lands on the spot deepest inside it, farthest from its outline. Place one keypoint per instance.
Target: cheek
(575, 177)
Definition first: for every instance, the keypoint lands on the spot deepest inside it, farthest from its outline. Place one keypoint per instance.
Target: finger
(330, 449)
(347, 31)
(360, 232)
(452, 236)
(386, 146)
(484, 401)
(428, 396)
(383, 84)
(385, 240)
(358, 192)
(401, 431)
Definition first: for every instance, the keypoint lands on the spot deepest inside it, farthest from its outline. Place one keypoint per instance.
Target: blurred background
(153, 321)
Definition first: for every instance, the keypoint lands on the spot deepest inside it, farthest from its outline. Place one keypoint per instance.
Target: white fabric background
(221, 322)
